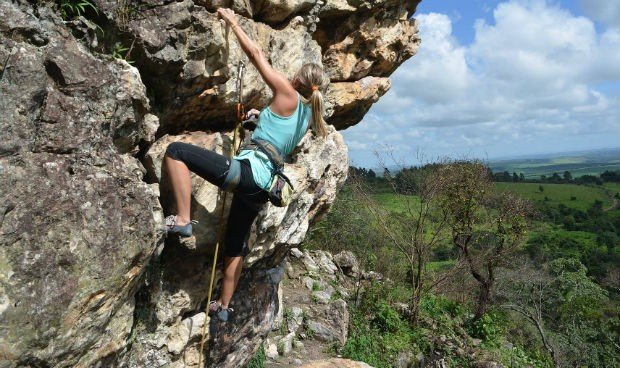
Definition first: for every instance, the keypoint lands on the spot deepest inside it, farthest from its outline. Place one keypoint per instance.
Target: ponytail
(312, 80)
(317, 124)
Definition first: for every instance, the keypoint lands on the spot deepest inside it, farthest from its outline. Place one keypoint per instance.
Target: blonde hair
(312, 81)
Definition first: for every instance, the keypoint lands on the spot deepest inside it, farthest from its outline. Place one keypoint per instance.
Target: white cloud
(532, 42)
(530, 76)
(607, 11)
(607, 63)
(441, 73)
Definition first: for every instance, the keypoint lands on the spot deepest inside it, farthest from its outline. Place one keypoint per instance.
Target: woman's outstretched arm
(284, 95)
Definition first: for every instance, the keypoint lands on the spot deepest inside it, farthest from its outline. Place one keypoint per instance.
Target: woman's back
(284, 132)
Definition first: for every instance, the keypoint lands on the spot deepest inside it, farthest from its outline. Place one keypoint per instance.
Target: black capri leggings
(248, 197)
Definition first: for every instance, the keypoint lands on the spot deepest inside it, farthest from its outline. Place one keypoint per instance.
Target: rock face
(77, 222)
(188, 57)
(86, 279)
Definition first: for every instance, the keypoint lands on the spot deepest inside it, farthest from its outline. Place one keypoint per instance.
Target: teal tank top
(284, 132)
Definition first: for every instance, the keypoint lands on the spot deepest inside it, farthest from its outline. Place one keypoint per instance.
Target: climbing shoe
(183, 231)
(224, 314)
(214, 307)
(221, 313)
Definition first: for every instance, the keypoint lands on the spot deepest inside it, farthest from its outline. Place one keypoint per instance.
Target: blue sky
(497, 79)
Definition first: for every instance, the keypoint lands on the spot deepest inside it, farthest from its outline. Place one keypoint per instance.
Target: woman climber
(296, 105)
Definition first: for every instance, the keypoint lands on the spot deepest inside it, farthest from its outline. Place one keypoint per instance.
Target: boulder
(285, 345)
(329, 324)
(348, 263)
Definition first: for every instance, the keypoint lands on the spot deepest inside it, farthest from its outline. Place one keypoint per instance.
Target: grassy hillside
(562, 193)
(555, 194)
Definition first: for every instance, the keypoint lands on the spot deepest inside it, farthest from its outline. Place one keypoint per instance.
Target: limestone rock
(348, 263)
(322, 297)
(77, 224)
(325, 262)
(294, 319)
(271, 351)
(372, 275)
(295, 252)
(332, 326)
(373, 41)
(347, 102)
(190, 58)
(285, 345)
(279, 320)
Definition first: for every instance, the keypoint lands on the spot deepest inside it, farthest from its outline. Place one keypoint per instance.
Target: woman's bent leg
(180, 158)
(181, 184)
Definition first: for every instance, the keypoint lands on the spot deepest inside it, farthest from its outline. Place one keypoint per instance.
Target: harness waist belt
(266, 147)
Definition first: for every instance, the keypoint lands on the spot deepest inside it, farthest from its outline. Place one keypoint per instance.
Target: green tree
(564, 305)
(486, 228)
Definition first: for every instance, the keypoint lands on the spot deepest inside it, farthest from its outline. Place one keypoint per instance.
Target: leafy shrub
(489, 328)
(377, 332)
(386, 319)
(436, 305)
(258, 360)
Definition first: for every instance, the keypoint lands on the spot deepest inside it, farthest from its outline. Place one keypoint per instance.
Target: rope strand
(221, 224)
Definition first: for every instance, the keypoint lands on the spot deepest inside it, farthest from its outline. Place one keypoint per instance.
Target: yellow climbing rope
(223, 194)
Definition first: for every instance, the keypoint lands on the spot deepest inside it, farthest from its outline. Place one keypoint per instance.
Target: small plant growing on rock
(75, 8)
(122, 52)
(316, 286)
(258, 360)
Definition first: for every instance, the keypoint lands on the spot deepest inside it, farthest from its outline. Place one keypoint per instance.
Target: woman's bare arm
(284, 95)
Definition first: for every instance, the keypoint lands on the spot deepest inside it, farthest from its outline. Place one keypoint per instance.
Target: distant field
(535, 170)
(585, 195)
(556, 193)
(588, 163)
(559, 193)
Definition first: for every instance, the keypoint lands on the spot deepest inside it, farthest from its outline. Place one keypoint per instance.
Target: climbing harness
(280, 188)
(228, 183)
